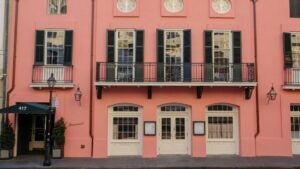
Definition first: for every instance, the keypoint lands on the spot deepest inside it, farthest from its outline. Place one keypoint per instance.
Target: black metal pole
(47, 161)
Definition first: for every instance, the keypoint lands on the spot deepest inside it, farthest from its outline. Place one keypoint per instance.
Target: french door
(173, 60)
(174, 134)
(222, 56)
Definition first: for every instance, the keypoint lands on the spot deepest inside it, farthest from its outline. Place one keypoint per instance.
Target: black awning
(27, 108)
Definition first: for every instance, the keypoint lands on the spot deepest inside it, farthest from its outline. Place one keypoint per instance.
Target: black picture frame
(150, 128)
(199, 128)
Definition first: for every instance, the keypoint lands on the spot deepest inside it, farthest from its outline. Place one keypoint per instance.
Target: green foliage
(58, 132)
(7, 136)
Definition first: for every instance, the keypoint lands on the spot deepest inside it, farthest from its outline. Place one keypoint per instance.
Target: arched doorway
(174, 133)
(124, 130)
(222, 130)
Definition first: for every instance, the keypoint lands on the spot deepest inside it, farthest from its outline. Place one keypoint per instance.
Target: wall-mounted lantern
(271, 94)
(78, 95)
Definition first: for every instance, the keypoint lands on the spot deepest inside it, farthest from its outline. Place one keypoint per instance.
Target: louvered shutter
(287, 49)
(208, 46)
(110, 54)
(68, 48)
(39, 47)
(237, 54)
(139, 56)
(187, 55)
(160, 55)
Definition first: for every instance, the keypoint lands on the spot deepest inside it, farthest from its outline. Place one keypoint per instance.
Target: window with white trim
(295, 45)
(55, 42)
(173, 55)
(57, 7)
(295, 121)
(125, 55)
(220, 127)
(222, 54)
(125, 128)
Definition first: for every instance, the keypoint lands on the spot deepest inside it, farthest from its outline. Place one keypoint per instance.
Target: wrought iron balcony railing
(183, 72)
(62, 74)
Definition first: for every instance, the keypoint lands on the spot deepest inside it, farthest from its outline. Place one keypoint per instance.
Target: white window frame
(180, 31)
(230, 52)
(46, 46)
(235, 122)
(59, 5)
(295, 114)
(125, 114)
(117, 51)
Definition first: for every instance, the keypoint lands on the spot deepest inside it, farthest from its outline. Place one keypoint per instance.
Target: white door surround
(174, 132)
(222, 132)
(125, 131)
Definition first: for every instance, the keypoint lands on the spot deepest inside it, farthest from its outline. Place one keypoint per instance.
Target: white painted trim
(175, 114)
(111, 114)
(188, 84)
(291, 87)
(57, 85)
(236, 128)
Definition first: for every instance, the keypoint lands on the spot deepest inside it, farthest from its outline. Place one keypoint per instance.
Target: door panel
(173, 135)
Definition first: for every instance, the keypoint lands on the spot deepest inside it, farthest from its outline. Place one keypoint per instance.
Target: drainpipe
(5, 56)
(91, 78)
(14, 52)
(256, 72)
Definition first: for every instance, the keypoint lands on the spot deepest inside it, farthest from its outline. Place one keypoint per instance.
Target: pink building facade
(160, 77)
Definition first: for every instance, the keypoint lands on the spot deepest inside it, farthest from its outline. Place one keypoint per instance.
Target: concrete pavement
(162, 162)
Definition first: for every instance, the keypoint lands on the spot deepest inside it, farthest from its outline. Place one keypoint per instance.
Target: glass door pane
(166, 128)
(180, 128)
(173, 56)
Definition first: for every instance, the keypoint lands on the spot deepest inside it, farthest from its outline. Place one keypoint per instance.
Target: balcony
(292, 78)
(185, 74)
(62, 74)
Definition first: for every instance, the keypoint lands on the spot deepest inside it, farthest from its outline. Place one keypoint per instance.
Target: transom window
(173, 107)
(295, 107)
(57, 7)
(125, 55)
(125, 108)
(295, 46)
(55, 47)
(173, 55)
(125, 128)
(220, 107)
(220, 127)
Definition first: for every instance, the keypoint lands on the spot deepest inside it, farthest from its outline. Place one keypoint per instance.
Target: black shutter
(187, 55)
(139, 56)
(237, 54)
(68, 47)
(39, 47)
(110, 53)
(287, 49)
(208, 46)
(295, 8)
(160, 55)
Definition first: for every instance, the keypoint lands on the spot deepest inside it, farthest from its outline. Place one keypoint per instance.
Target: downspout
(256, 72)
(6, 28)
(91, 78)
(14, 52)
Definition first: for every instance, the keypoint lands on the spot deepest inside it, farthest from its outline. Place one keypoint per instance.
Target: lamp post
(47, 161)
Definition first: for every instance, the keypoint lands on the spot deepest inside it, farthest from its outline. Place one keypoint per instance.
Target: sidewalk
(165, 162)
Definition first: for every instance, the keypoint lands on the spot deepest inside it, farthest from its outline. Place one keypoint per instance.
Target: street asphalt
(161, 162)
